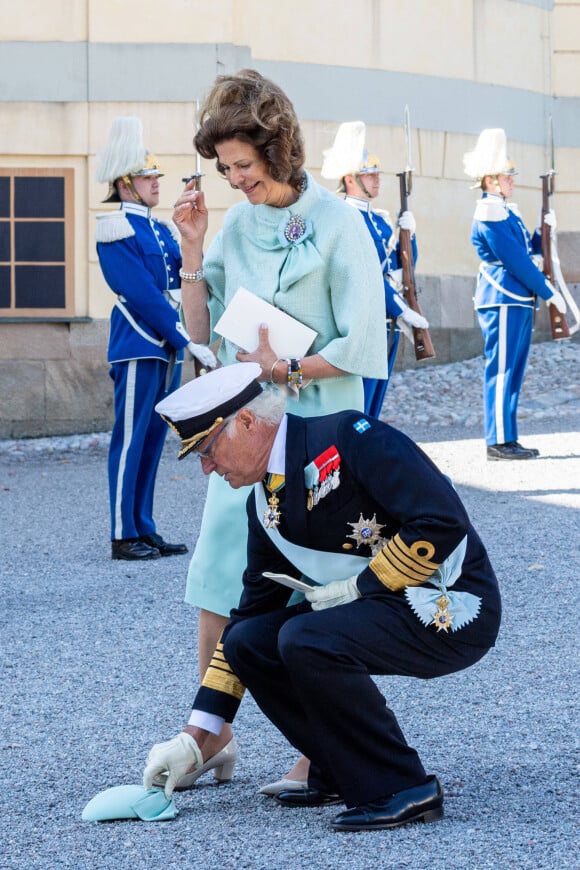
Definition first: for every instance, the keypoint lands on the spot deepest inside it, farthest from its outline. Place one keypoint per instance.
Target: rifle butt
(558, 324)
(423, 345)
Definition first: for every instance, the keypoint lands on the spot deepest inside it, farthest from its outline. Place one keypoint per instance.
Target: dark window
(4, 286)
(38, 197)
(4, 197)
(40, 242)
(4, 242)
(36, 242)
(40, 287)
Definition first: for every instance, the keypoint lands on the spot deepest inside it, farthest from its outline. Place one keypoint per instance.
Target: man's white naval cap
(489, 157)
(348, 155)
(125, 156)
(198, 407)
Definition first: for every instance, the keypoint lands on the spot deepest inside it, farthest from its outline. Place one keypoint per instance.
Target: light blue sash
(316, 564)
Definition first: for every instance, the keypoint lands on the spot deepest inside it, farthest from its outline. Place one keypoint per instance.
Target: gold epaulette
(398, 565)
(220, 677)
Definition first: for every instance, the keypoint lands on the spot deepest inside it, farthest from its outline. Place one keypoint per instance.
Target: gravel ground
(98, 660)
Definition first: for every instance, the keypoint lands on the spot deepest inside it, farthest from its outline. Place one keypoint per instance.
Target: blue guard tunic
(382, 231)
(430, 603)
(507, 285)
(140, 260)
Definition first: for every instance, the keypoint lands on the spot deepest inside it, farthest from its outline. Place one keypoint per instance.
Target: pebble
(433, 395)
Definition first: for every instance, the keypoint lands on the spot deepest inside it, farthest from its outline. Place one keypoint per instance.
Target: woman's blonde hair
(252, 109)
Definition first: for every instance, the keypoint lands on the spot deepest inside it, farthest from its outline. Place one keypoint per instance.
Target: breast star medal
(366, 532)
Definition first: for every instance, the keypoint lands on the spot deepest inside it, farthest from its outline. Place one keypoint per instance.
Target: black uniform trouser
(310, 673)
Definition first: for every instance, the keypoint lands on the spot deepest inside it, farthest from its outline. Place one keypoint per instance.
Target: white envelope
(300, 585)
(240, 321)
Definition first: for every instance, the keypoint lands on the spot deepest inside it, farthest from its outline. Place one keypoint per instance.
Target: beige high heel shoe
(222, 764)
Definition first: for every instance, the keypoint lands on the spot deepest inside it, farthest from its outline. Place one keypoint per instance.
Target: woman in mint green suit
(297, 246)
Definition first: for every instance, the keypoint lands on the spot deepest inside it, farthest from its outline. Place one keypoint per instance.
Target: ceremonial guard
(359, 174)
(397, 582)
(508, 284)
(140, 260)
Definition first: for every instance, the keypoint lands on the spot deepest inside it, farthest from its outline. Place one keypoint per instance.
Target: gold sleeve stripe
(221, 682)
(219, 676)
(398, 565)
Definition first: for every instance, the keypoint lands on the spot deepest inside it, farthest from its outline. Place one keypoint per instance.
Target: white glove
(550, 219)
(407, 222)
(335, 593)
(413, 319)
(177, 756)
(203, 353)
(558, 301)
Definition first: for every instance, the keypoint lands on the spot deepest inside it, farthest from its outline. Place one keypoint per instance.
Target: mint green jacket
(330, 280)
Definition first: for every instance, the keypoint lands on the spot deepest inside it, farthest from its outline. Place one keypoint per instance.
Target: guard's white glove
(558, 301)
(176, 757)
(203, 353)
(335, 593)
(413, 319)
(550, 219)
(407, 222)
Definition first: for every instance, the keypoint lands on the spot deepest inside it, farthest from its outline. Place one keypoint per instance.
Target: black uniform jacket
(388, 481)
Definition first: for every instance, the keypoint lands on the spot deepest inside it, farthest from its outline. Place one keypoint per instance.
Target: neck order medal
(273, 483)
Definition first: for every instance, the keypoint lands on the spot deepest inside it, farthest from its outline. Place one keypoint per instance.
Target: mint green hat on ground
(130, 802)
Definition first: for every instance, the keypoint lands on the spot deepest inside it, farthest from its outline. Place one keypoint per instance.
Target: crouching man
(405, 587)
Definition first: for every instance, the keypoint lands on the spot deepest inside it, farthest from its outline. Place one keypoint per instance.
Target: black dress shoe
(533, 450)
(419, 803)
(132, 549)
(307, 797)
(165, 549)
(511, 450)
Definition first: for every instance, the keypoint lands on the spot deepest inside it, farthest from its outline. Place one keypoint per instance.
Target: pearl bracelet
(192, 277)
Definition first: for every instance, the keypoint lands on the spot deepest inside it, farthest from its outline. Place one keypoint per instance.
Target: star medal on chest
(273, 483)
(366, 532)
(322, 475)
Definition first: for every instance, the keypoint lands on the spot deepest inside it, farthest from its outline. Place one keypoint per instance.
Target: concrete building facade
(68, 68)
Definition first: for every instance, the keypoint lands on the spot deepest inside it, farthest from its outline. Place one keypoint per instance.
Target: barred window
(36, 242)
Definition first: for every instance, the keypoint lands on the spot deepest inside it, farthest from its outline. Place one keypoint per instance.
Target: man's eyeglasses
(206, 453)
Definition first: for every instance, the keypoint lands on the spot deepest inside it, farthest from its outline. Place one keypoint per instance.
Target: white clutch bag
(240, 321)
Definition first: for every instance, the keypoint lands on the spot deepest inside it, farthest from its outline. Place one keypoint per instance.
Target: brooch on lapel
(294, 230)
(322, 475)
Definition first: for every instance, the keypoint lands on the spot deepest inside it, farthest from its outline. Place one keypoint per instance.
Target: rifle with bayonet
(558, 322)
(421, 339)
(552, 271)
